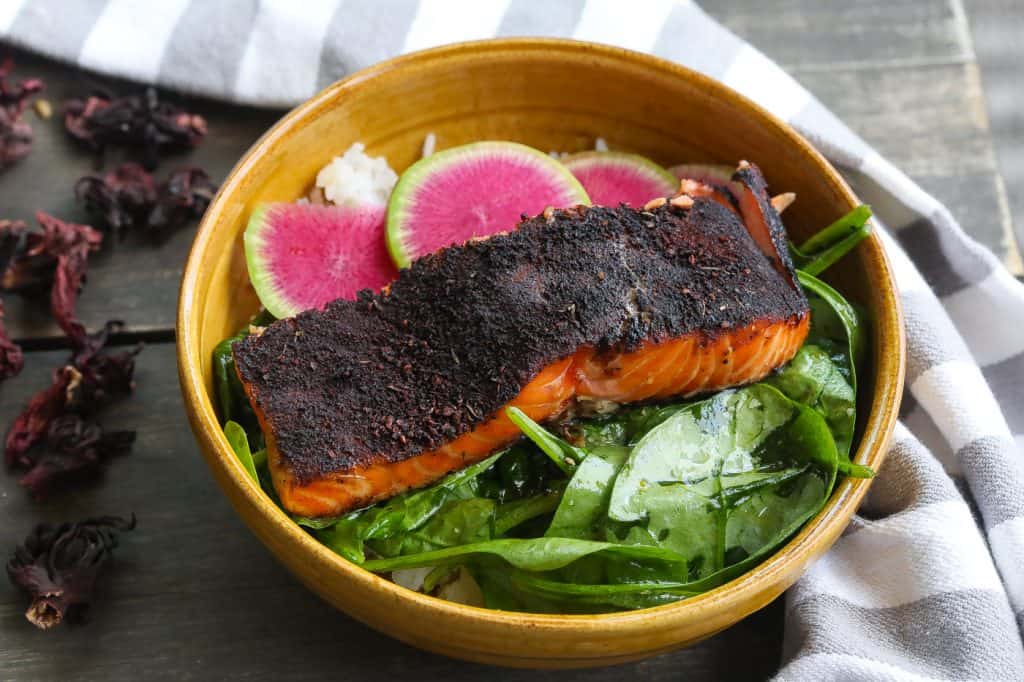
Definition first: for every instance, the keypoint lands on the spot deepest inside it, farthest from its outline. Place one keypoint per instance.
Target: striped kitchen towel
(928, 582)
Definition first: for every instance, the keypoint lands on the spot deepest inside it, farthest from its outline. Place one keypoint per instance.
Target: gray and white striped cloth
(928, 583)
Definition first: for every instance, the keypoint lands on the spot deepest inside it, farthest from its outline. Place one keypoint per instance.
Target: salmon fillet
(368, 398)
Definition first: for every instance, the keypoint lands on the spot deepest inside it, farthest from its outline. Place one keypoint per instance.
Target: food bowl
(553, 95)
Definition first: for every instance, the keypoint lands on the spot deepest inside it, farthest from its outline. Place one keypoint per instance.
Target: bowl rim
(817, 535)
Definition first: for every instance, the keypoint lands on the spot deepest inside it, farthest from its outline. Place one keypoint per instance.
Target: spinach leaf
(240, 444)
(581, 512)
(532, 554)
(814, 379)
(832, 243)
(524, 591)
(403, 513)
(564, 455)
(835, 322)
(725, 479)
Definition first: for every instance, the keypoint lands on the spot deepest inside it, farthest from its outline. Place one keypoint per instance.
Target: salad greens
(649, 505)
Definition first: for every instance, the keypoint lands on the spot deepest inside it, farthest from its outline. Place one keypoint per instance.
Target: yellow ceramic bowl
(553, 95)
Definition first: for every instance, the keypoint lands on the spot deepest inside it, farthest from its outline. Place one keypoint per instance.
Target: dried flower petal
(90, 380)
(18, 271)
(129, 198)
(69, 244)
(184, 196)
(75, 447)
(15, 132)
(58, 566)
(102, 376)
(120, 199)
(137, 121)
(11, 357)
(29, 426)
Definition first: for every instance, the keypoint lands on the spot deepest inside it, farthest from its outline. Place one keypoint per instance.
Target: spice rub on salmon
(368, 398)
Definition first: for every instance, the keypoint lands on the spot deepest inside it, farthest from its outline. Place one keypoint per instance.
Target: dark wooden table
(193, 595)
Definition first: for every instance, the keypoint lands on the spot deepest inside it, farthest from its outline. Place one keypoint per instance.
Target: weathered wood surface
(193, 595)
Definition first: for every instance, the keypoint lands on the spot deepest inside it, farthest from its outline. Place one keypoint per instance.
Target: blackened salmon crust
(462, 331)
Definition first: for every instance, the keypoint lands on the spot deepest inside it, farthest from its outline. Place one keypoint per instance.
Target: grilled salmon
(369, 398)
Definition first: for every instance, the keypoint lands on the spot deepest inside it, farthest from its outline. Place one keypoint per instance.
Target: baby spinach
(832, 243)
(565, 455)
(240, 444)
(725, 479)
(835, 322)
(814, 379)
(581, 512)
(532, 554)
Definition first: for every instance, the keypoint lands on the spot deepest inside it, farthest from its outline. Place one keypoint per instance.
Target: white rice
(429, 145)
(355, 178)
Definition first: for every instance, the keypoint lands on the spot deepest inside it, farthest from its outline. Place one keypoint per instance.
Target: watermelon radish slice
(711, 174)
(303, 256)
(613, 178)
(475, 190)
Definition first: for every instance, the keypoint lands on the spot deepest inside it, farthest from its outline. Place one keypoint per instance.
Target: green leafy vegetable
(240, 444)
(581, 513)
(835, 241)
(725, 479)
(564, 455)
(398, 516)
(835, 321)
(814, 379)
(531, 554)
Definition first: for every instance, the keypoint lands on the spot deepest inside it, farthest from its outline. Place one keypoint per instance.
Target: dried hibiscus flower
(58, 566)
(58, 253)
(89, 380)
(185, 195)
(128, 198)
(75, 447)
(119, 199)
(15, 132)
(139, 121)
(11, 357)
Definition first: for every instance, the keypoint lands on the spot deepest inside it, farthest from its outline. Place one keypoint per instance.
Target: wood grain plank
(903, 76)
(997, 27)
(134, 280)
(817, 35)
(193, 595)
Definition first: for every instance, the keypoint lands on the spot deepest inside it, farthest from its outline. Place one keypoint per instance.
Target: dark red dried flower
(103, 376)
(184, 196)
(58, 566)
(120, 199)
(11, 357)
(75, 447)
(15, 132)
(69, 244)
(138, 121)
(89, 380)
(29, 426)
(19, 272)
(128, 198)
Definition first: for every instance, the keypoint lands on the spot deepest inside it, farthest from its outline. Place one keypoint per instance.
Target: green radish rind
(259, 269)
(399, 206)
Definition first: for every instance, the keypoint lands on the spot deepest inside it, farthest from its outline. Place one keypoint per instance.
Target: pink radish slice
(303, 256)
(471, 191)
(613, 178)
